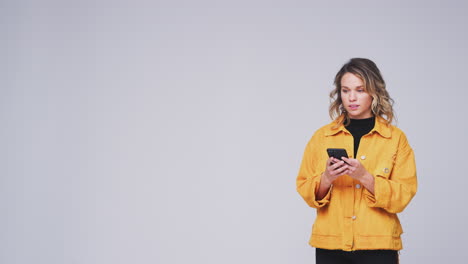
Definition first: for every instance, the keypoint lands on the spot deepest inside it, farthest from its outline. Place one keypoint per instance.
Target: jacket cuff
(325, 200)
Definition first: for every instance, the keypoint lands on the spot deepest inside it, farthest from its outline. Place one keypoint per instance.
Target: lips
(353, 107)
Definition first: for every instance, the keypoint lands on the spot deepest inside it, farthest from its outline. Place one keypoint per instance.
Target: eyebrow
(360, 86)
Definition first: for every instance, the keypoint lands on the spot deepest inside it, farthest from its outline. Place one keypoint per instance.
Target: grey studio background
(172, 131)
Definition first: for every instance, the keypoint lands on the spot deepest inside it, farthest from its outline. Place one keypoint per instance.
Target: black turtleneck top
(358, 128)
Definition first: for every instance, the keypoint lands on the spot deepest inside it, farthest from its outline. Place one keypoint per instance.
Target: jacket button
(358, 186)
(353, 217)
(386, 170)
(363, 157)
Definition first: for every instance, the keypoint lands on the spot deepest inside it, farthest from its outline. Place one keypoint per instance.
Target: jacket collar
(380, 127)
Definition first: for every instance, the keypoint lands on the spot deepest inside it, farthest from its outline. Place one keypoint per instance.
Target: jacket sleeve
(394, 193)
(308, 180)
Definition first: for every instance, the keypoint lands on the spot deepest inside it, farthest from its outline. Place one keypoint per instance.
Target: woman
(358, 198)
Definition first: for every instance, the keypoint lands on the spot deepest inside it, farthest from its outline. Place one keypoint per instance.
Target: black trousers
(325, 256)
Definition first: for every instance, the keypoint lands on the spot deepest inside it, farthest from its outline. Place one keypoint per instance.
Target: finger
(348, 160)
(342, 169)
(344, 172)
(353, 162)
(330, 164)
(338, 168)
(338, 164)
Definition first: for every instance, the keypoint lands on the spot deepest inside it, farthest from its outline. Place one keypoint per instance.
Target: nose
(352, 96)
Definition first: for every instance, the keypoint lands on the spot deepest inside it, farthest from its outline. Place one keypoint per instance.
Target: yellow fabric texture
(350, 217)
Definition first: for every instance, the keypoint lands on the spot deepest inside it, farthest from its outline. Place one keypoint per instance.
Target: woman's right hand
(335, 168)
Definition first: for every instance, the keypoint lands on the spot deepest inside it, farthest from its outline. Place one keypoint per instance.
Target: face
(356, 100)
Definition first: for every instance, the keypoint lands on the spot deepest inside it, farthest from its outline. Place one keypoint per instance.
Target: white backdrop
(172, 131)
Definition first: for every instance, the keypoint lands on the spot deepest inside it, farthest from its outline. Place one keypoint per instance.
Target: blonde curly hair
(374, 85)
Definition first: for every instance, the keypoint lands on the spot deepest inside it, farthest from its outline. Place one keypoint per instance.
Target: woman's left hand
(355, 169)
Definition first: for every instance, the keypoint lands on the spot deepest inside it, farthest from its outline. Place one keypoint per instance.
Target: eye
(344, 90)
(361, 90)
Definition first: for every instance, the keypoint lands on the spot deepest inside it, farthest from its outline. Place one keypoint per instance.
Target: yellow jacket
(349, 217)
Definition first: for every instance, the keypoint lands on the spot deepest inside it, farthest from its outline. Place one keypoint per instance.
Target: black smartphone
(337, 153)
